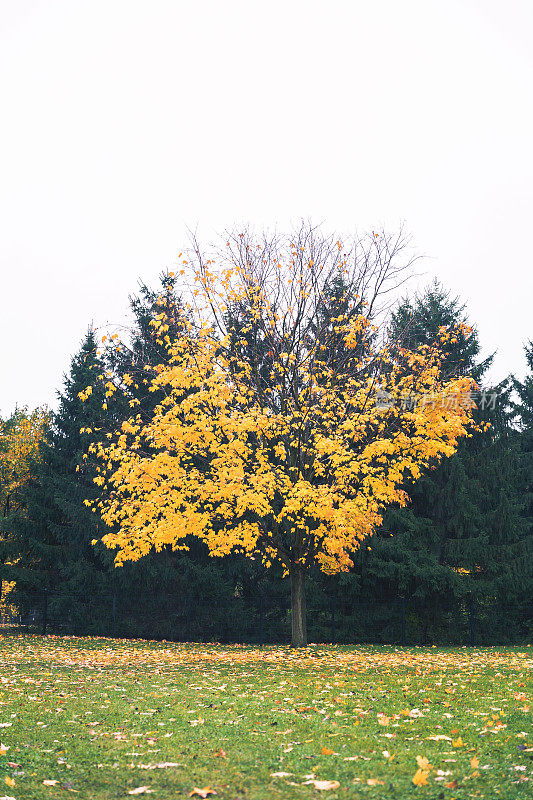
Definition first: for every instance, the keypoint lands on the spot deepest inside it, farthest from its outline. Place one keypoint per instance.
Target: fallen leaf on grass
(423, 762)
(50, 783)
(374, 782)
(326, 751)
(141, 790)
(322, 786)
(220, 754)
(420, 778)
(474, 763)
(281, 774)
(3, 749)
(205, 792)
(10, 782)
(458, 742)
(451, 785)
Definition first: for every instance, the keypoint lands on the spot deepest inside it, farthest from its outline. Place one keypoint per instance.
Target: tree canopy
(269, 439)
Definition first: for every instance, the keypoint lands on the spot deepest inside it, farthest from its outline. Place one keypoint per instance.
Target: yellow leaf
(457, 742)
(326, 751)
(9, 781)
(420, 777)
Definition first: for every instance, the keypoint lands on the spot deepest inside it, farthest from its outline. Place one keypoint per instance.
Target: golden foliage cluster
(271, 437)
(20, 436)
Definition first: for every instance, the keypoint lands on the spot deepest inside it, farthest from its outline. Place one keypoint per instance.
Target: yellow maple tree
(20, 435)
(289, 420)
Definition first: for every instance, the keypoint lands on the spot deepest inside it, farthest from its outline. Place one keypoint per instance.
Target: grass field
(104, 718)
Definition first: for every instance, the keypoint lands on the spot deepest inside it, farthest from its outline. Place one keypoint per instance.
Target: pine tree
(417, 321)
(461, 537)
(130, 359)
(524, 414)
(201, 589)
(52, 532)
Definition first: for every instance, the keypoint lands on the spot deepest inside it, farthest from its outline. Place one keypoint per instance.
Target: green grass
(92, 714)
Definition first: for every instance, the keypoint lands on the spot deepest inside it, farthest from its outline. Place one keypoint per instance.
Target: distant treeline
(464, 541)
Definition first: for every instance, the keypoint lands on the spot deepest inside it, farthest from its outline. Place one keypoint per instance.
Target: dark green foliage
(417, 322)
(463, 539)
(464, 543)
(167, 594)
(524, 416)
(142, 349)
(51, 535)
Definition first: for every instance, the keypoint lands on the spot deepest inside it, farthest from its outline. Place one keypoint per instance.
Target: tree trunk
(298, 615)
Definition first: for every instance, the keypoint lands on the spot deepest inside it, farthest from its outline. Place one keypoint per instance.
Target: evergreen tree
(52, 532)
(524, 415)
(417, 321)
(130, 359)
(213, 598)
(50, 555)
(461, 537)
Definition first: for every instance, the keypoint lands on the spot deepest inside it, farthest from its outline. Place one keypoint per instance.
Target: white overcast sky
(123, 122)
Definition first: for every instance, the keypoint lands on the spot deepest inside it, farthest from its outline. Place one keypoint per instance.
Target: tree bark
(299, 614)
